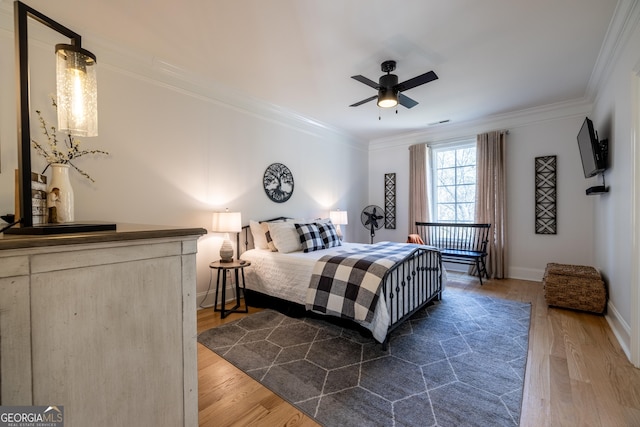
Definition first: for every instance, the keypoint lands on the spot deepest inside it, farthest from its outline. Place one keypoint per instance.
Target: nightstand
(222, 267)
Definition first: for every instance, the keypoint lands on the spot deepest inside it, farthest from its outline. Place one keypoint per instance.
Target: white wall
(573, 244)
(613, 214)
(545, 133)
(181, 147)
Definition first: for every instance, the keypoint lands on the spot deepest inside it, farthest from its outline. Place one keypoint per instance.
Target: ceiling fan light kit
(387, 98)
(389, 89)
(387, 94)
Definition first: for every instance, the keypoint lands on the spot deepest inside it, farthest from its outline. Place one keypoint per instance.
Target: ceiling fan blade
(416, 81)
(364, 101)
(368, 82)
(405, 101)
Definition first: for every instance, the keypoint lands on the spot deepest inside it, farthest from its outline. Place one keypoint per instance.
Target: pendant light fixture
(77, 100)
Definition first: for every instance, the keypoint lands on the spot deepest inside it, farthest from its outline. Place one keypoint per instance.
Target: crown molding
(146, 67)
(143, 66)
(196, 85)
(469, 129)
(626, 17)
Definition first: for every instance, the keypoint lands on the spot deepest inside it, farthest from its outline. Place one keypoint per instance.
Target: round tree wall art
(278, 182)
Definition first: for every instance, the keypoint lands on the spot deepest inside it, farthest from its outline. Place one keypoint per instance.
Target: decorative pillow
(310, 237)
(284, 237)
(329, 234)
(267, 236)
(259, 235)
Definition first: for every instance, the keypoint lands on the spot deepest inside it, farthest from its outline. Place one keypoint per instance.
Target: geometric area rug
(458, 362)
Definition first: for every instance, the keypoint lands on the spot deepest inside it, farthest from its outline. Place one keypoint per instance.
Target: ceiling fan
(389, 90)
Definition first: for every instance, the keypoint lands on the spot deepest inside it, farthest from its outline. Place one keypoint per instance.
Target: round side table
(236, 266)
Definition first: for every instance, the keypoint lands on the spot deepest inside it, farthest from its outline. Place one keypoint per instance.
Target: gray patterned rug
(458, 362)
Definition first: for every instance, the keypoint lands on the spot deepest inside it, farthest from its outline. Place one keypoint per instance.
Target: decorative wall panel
(546, 210)
(390, 201)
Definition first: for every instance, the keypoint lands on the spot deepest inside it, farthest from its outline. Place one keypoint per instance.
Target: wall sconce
(339, 218)
(226, 222)
(77, 110)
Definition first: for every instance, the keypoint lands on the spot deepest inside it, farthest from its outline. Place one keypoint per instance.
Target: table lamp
(226, 222)
(338, 218)
(76, 101)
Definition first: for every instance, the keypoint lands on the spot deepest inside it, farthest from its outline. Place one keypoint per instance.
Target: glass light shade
(77, 91)
(387, 98)
(338, 217)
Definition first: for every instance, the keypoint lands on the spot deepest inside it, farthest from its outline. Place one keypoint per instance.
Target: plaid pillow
(329, 234)
(310, 237)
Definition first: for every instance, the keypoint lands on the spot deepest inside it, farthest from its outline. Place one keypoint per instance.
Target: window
(454, 182)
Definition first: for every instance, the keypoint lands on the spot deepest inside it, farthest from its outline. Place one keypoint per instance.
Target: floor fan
(372, 217)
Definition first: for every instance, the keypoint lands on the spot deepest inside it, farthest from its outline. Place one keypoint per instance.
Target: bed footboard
(411, 284)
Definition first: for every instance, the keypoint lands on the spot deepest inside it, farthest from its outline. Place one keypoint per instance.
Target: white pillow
(285, 237)
(258, 233)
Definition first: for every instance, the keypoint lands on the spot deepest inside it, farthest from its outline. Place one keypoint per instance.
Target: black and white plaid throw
(347, 284)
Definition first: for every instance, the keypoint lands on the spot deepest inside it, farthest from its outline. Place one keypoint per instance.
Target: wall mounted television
(593, 154)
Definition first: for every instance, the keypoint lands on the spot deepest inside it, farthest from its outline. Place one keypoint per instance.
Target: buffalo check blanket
(347, 284)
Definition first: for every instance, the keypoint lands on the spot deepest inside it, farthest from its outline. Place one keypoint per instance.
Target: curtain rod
(460, 139)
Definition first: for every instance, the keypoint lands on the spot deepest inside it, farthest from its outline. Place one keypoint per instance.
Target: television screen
(593, 161)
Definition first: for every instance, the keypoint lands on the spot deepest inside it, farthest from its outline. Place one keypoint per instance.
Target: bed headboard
(244, 239)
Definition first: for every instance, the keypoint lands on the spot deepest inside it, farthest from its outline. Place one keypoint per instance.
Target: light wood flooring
(577, 374)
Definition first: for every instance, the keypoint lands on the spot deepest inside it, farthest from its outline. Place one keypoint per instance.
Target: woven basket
(574, 286)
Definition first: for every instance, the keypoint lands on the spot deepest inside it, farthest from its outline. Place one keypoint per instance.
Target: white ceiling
(491, 56)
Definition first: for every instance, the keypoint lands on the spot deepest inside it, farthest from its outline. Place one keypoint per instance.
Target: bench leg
(481, 266)
(484, 268)
(479, 269)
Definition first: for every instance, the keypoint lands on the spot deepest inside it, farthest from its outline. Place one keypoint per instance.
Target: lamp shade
(77, 98)
(339, 217)
(226, 222)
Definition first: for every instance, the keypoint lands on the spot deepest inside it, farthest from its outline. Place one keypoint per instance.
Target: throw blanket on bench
(348, 284)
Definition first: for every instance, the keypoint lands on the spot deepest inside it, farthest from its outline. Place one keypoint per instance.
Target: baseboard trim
(531, 274)
(205, 299)
(522, 273)
(621, 329)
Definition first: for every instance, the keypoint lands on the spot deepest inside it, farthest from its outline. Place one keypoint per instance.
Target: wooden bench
(458, 243)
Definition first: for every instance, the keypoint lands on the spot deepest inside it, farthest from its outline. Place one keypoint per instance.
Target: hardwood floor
(577, 374)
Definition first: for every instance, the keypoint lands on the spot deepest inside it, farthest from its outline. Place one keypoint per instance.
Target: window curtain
(491, 191)
(418, 201)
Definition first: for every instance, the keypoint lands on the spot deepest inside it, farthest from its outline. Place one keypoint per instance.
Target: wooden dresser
(103, 324)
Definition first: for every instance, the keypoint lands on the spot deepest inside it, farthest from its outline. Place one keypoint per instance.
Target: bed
(318, 273)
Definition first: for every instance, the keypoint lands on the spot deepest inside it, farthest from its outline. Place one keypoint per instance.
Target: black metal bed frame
(411, 284)
(408, 286)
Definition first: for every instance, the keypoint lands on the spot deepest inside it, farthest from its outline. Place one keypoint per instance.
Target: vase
(60, 195)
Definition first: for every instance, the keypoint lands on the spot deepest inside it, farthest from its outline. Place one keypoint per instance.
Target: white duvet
(286, 276)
